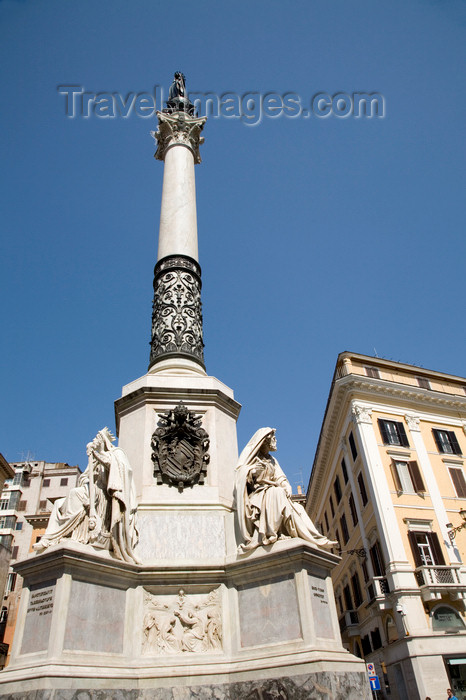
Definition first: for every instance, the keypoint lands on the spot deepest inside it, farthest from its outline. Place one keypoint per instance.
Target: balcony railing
(348, 620)
(435, 580)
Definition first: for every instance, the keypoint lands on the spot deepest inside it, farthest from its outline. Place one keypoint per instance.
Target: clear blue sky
(316, 235)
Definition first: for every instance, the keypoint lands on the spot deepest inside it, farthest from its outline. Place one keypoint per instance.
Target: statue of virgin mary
(265, 511)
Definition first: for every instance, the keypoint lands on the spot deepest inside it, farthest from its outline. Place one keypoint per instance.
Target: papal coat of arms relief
(180, 448)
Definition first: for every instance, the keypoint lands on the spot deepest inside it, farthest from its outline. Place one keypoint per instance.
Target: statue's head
(179, 75)
(269, 442)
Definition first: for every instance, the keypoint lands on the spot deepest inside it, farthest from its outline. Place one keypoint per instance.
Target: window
(372, 372)
(14, 552)
(326, 521)
(376, 639)
(46, 482)
(6, 540)
(366, 645)
(446, 618)
(358, 599)
(347, 597)
(10, 583)
(337, 537)
(19, 526)
(337, 489)
(446, 441)
(407, 477)
(352, 444)
(43, 505)
(393, 432)
(11, 502)
(423, 382)
(459, 482)
(377, 560)
(344, 470)
(365, 573)
(331, 507)
(340, 604)
(63, 482)
(7, 521)
(18, 478)
(426, 548)
(22, 505)
(354, 512)
(362, 489)
(344, 529)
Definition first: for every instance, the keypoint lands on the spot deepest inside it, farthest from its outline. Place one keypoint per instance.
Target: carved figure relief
(190, 623)
(180, 448)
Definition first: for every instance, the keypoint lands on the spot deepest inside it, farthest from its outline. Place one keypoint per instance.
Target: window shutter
(454, 443)
(437, 439)
(22, 505)
(402, 434)
(414, 548)
(383, 431)
(14, 552)
(459, 482)
(436, 549)
(416, 477)
(396, 477)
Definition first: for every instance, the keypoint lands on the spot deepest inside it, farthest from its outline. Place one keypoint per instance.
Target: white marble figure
(102, 509)
(265, 511)
(183, 626)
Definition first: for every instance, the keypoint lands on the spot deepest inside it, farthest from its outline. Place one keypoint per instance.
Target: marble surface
(268, 612)
(181, 535)
(96, 616)
(38, 617)
(317, 686)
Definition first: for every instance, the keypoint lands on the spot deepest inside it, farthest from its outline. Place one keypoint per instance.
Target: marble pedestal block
(244, 627)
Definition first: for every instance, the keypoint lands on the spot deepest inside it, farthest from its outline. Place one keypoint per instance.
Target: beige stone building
(389, 482)
(25, 504)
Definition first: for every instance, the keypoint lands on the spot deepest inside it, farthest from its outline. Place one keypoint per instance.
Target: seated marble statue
(264, 507)
(101, 510)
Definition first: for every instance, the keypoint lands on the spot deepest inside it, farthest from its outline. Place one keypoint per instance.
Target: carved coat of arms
(180, 448)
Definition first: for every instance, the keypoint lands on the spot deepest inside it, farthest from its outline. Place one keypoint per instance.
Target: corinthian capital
(178, 129)
(413, 422)
(361, 414)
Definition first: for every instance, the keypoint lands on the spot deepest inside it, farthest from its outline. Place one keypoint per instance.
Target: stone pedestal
(261, 625)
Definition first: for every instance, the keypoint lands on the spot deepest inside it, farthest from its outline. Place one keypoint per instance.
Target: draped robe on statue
(265, 510)
(115, 505)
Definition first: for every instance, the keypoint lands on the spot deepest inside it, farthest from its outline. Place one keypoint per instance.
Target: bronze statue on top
(178, 100)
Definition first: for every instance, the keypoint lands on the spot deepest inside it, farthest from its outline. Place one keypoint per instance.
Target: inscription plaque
(38, 617)
(321, 608)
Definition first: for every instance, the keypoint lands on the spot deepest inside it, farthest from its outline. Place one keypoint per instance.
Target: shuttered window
(426, 548)
(344, 471)
(358, 600)
(344, 529)
(337, 489)
(459, 482)
(352, 444)
(377, 560)
(393, 432)
(362, 489)
(446, 441)
(407, 477)
(354, 512)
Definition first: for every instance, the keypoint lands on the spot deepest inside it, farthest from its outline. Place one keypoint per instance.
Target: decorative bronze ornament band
(177, 310)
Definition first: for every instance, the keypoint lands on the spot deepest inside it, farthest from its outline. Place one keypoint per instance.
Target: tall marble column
(177, 342)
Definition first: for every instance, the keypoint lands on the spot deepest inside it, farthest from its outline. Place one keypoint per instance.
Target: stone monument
(174, 570)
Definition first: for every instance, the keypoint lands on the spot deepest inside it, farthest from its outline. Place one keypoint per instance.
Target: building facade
(26, 501)
(389, 482)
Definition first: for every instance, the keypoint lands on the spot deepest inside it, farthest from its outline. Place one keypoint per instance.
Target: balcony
(349, 623)
(436, 581)
(377, 592)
